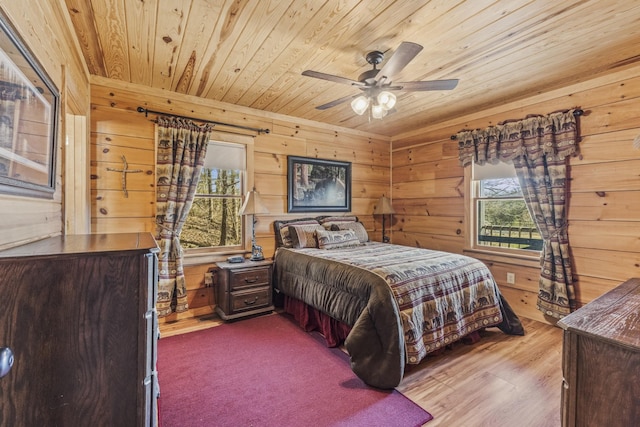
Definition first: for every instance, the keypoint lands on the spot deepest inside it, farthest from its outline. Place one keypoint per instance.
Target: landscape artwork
(316, 185)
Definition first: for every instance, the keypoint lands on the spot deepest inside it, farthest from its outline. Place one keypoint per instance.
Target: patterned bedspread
(441, 296)
(401, 302)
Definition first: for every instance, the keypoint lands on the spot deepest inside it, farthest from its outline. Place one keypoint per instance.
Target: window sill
(210, 257)
(520, 259)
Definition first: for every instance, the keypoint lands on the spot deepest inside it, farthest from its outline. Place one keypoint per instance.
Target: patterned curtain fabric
(182, 146)
(538, 146)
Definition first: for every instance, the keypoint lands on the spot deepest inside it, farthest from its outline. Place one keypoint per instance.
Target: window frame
(194, 256)
(471, 196)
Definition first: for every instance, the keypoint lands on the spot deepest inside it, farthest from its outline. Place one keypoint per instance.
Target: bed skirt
(311, 319)
(335, 332)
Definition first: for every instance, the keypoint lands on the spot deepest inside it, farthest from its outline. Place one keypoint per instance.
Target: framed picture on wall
(316, 185)
(28, 119)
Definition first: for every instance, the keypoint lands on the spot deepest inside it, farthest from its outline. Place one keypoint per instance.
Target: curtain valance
(554, 135)
(182, 123)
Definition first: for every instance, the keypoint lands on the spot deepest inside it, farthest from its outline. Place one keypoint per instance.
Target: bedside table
(243, 289)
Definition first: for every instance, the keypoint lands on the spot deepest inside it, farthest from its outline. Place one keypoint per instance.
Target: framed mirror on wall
(29, 109)
(316, 185)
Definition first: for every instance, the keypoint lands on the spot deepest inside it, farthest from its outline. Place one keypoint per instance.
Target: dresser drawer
(250, 299)
(250, 278)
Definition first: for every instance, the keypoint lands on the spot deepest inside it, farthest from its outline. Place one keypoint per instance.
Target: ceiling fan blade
(335, 102)
(427, 85)
(331, 78)
(402, 56)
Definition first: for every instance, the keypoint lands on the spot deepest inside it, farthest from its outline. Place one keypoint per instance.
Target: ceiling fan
(378, 86)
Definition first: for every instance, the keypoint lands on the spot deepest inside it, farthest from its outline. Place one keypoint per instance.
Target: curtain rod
(577, 112)
(146, 112)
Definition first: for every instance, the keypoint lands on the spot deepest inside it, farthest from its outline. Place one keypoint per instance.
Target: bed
(398, 303)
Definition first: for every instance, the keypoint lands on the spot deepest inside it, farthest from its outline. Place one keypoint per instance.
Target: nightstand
(243, 289)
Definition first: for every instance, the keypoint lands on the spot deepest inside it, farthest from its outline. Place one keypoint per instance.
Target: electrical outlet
(511, 278)
(208, 279)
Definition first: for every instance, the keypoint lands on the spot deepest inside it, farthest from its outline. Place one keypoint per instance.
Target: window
(213, 221)
(502, 220)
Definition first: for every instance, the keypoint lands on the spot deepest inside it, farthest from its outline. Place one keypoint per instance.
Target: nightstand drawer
(250, 278)
(250, 299)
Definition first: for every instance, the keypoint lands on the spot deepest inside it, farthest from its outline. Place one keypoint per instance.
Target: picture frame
(317, 185)
(29, 115)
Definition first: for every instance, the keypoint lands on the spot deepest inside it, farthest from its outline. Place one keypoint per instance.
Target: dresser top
(614, 316)
(85, 244)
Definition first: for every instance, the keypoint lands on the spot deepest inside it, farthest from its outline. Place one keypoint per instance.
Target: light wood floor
(183, 326)
(501, 381)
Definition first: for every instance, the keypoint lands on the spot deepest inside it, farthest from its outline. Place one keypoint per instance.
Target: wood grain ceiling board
(140, 23)
(252, 53)
(111, 27)
(81, 14)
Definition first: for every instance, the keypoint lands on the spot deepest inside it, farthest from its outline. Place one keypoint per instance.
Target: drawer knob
(6, 361)
(249, 302)
(254, 280)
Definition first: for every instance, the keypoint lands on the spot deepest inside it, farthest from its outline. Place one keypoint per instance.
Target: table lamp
(384, 208)
(253, 205)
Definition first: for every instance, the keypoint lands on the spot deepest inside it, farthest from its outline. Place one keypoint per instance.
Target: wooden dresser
(601, 360)
(78, 313)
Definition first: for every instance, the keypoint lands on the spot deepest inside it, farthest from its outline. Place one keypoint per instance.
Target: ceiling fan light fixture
(360, 105)
(386, 99)
(376, 83)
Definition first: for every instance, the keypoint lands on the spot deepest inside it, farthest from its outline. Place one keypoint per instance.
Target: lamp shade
(386, 99)
(360, 104)
(253, 204)
(383, 207)
(377, 111)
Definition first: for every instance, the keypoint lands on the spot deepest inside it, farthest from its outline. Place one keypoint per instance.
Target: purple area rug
(266, 371)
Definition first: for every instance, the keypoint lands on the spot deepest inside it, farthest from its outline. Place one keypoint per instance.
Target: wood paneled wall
(604, 226)
(117, 129)
(428, 184)
(25, 219)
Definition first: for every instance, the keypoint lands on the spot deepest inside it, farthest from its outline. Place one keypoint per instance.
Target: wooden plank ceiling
(252, 53)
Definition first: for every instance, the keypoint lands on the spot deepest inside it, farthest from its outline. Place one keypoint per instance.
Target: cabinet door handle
(248, 302)
(6, 361)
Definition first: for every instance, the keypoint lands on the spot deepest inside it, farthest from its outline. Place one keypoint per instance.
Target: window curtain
(538, 146)
(182, 147)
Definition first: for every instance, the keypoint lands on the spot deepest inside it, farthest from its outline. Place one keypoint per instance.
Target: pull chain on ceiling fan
(378, 97)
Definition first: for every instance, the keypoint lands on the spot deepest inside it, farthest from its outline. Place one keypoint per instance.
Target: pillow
(337, 239)
(304, 236)
(327, 219)
(281, 228)
(357, 228)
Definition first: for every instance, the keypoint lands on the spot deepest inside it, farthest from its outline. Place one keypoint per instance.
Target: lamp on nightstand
(253, 205)
(383, 207)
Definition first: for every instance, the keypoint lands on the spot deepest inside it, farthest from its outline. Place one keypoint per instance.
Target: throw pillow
(333, 219)
(357, 228)
(304, 236)
(282, 230)
(337, 239)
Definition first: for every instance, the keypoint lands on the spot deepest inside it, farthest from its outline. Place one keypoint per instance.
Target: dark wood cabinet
(243, 289)
(601, 360)
(78, 313)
